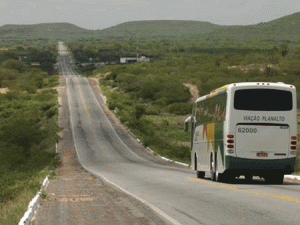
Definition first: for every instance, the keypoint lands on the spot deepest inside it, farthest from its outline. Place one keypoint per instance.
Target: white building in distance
(124, 60)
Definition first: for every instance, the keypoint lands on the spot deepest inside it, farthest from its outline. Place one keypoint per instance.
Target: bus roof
(243, 84)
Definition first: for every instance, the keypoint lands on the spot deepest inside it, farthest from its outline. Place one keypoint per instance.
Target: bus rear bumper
(258, 167)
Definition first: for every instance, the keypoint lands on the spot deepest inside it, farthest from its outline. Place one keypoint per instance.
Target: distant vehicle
(245, 129)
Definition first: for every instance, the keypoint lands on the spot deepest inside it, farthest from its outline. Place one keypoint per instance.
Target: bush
(152, 110)
(53, 111)
(150, 86)
(156, 87)
(180, 108)
(146, 127)
(12, 64)
(128, 82)
(24, 130)
(175, 92)
(119, 100)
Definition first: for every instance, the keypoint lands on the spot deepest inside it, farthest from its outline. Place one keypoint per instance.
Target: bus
(245, 129)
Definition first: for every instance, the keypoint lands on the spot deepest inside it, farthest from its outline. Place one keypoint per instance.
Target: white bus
(245, 129)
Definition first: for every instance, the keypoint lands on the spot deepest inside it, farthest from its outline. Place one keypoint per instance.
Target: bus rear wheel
(213, 167)
(200, 174)
(220, 177)
(215, 175)
(214, 172)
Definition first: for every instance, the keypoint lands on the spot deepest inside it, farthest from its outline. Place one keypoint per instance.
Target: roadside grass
(28, 134)
(20, 185)
(170, 127)
(12, 211)
(23, 186)
(51, 81)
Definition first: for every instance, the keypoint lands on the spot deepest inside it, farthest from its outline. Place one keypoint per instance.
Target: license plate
(262, 154)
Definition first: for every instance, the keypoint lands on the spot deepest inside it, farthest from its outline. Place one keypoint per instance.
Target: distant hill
(43, 30)
(283, 29)
(160, 28)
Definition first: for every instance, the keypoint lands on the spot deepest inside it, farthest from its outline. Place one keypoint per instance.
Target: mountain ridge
(285, 28)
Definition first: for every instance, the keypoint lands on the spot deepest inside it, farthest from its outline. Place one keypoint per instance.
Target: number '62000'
(247, 130)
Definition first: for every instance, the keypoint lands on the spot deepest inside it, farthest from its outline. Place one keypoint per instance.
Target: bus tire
(220, 177)
(212, 168)
(200, 174)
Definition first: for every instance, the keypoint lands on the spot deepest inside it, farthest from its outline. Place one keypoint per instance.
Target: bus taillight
(293, 147)
(230, 141)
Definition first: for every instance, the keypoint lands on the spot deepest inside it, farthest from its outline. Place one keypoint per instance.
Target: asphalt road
(175, 193)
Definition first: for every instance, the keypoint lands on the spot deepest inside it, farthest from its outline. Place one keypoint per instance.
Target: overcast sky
(99, 14)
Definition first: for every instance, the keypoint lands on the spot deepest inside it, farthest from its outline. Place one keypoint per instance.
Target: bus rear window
(263, 100)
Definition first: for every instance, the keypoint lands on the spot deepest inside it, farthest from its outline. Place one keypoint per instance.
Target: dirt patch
(193, 90)
(247, 68)
(4, 90)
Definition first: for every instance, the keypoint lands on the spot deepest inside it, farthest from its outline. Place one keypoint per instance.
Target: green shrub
(153, 110)
(53, 111)
(150, 86)
(180, 108)
(175, 92)
(12, 64)
(51, 81)
(161, 102)
(128, 82)
(139, 111)
(146, 127)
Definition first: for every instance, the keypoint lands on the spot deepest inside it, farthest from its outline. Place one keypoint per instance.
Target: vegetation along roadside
(28, 128)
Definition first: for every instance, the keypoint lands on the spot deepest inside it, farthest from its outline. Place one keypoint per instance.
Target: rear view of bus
(260, 131)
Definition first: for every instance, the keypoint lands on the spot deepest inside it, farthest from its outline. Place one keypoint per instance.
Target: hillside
(43, 30)
(160, 28)
(283, 29)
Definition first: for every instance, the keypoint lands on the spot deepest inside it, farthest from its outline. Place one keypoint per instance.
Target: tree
(12, 64)
(22, 129)
(7, 74)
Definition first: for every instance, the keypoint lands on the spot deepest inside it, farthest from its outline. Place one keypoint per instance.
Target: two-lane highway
(174, 193)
